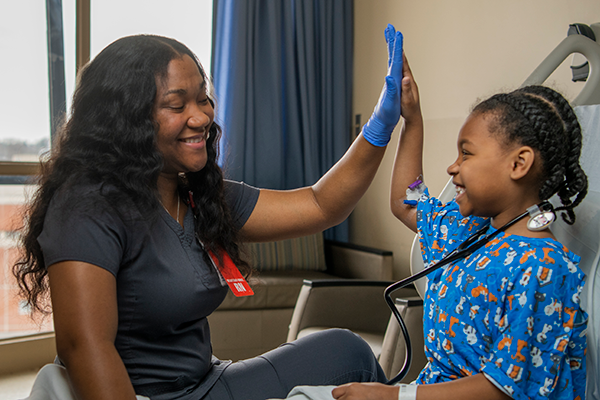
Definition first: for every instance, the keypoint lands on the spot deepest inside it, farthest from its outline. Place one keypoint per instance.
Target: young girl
(504, 322)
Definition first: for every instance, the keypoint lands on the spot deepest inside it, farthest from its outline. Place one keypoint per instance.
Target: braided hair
(541, 118)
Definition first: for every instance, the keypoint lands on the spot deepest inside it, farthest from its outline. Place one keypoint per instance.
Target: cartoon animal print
(500, 320)
(443, 291)
(496, 253)
(492, 298)
(542, 336)
(530, 321)
(474, 224)
(561, 343)
(449, 278)
(448, 346)
(470, 332)
(546, 389)
(459, 278)
(547, 259)
(435, 246)
(571, 267)
(576, 295)
(544, 276)
(482, 264)
(526, 255)
(450, 332)
(521, 344)
(555, 358)
(473, 311)
(507, 341)
(515, 372)
(459, 307)
(431, 336)
(510, 256)
(526, 277)
(479, 290)
(510, 299)
(522, 298)
(554, 306)
(444, 231)
(571, 312)
(536, 357)
(575, 363)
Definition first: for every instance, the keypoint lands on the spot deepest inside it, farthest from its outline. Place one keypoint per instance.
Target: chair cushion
(304, 253)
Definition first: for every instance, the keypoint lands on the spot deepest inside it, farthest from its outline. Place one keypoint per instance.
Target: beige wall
(459, 51)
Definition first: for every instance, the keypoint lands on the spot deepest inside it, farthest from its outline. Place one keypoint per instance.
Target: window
(188, 21)
(25, 104)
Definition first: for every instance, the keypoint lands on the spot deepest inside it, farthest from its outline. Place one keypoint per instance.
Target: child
(504, 322)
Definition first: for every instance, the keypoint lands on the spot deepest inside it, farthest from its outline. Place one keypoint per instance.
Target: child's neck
(520, 229)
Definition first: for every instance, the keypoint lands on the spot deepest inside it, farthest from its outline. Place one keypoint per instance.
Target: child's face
(480, 171)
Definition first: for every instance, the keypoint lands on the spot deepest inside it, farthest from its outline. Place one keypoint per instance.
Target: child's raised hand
(365, 391)
(386, 115)
(411, 107)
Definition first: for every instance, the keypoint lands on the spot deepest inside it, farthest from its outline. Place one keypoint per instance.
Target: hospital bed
(582, 238)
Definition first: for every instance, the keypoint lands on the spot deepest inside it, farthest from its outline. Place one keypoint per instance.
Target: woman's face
(184, 115)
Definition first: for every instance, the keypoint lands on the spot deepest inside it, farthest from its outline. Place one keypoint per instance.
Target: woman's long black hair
(110, 138)
(540, 117)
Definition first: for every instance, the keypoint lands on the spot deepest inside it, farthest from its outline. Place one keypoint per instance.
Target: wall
(459, 51)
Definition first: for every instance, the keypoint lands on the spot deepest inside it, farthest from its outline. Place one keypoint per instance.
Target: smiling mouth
(195, 139)
(459, 190)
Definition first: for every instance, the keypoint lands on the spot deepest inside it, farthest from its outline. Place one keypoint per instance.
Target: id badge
(232, 275)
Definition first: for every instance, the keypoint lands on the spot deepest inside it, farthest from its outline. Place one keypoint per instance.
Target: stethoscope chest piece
(540, 219)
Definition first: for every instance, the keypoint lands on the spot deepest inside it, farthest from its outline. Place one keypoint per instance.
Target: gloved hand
(386, 115)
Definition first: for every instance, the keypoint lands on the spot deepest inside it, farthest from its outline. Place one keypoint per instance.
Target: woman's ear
(523, 159)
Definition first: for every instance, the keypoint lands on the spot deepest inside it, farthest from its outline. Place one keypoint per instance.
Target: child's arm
(474, 387)
(409, 156)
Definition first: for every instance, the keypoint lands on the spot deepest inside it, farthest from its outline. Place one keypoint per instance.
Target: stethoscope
(541, 216)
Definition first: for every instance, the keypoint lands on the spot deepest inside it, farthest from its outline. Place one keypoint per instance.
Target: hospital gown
(510, 310)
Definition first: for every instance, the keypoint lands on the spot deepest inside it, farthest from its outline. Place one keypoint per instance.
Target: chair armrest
(357, 305)
(348, 260)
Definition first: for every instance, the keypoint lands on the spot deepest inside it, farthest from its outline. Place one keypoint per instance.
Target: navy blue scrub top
(165, 290)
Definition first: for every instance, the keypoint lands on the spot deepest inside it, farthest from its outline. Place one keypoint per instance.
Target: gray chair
(360, 307)
(248, 326)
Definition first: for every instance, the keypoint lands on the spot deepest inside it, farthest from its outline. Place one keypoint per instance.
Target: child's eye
(176, 107)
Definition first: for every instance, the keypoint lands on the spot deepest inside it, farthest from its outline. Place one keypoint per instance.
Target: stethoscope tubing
(464, 250)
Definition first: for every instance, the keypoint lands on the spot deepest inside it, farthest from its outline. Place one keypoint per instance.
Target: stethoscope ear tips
(540, 216)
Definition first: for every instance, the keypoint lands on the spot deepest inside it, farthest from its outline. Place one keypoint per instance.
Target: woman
(131, 207)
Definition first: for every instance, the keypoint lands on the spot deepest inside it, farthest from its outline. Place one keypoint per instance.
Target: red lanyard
(227, 270)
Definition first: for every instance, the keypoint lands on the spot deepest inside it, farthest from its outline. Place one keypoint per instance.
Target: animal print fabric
(511, 309)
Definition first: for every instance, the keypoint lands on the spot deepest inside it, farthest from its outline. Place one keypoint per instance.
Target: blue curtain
(282, 72)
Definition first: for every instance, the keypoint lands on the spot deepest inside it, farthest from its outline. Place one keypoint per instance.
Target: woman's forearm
(340, 189)
(96, 372)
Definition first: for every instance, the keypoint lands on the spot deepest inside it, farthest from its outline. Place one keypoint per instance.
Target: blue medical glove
(386, 115)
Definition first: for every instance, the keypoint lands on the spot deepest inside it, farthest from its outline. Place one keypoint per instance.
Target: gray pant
(331, 357)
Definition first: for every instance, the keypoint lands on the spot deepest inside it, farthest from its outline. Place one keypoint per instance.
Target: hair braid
(541, 118)
(575, 183)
